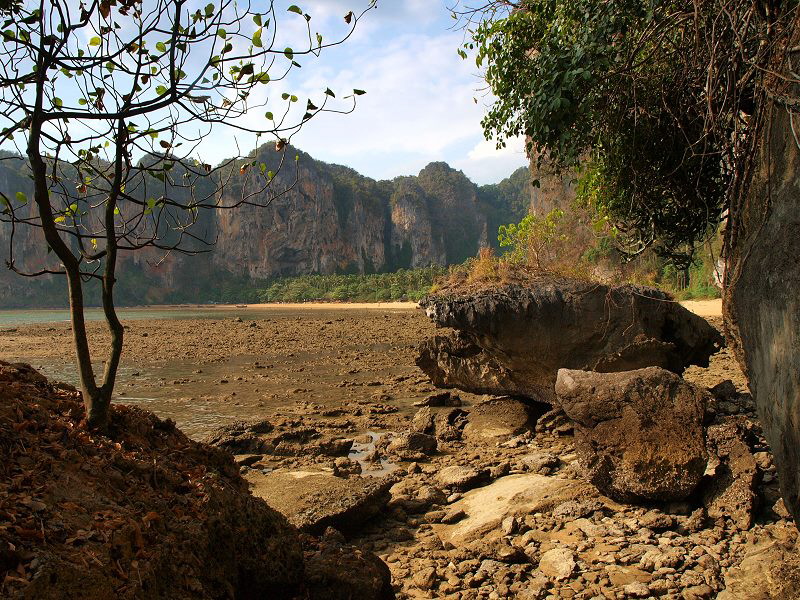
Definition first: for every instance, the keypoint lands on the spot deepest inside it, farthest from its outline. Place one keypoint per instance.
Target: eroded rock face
(639, 433)
(513, 340)
(761, 305)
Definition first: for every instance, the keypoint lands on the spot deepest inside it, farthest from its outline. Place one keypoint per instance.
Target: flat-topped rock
(313, 500)
(488, 506)
(513, 340)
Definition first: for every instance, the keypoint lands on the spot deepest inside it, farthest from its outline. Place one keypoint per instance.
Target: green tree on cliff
(109, 100)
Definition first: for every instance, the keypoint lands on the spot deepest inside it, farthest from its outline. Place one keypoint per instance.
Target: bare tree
(109, 100)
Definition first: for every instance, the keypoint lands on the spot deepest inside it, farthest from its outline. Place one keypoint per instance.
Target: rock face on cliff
(514, 339)
(314, 218)
(762, 307)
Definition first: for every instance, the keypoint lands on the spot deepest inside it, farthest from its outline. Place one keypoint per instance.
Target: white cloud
(419, 105)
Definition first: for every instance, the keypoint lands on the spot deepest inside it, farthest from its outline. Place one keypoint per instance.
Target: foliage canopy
(658, 97)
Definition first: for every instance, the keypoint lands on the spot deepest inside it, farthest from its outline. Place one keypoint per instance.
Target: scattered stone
(413, 446)
(424, 578)
(541, 463)
(558, 563)
(769, 571)
(246, 460)
(499, 419)
(555, 421)
(731, 491)
(262, 437)
(445, 425)
(339, 572)
(454, 515)
(344, 467)
(462, 478)
(636, 590)
(639, 433)
(515, 495)
(314, 500)
(440, 399)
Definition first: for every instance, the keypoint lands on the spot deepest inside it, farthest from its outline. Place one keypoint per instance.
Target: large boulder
(639, 433)
(514, 339)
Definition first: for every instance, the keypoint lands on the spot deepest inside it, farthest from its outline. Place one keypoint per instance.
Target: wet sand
(208, 372)
(263, 360)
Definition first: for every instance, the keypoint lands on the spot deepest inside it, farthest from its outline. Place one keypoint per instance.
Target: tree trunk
(761, 304)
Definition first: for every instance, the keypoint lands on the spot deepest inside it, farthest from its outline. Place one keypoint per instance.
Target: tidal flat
(206, 367)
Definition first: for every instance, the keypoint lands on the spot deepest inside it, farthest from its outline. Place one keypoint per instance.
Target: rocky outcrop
(639, 433)
(280, 439)
(312, 218)
(514, 339)
(761, 303)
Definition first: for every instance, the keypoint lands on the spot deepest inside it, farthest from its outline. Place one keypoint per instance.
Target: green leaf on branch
(359, 92)
(270, 116)
(22, 198)
(161, 47)
(257, 20)
(222, 33)
(57, 102)
(289, 53)
(329, 92)
(295, 9)
(257, 39)
(95, 41)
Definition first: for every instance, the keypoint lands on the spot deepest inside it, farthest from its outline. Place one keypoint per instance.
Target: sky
(420, 103)
(423, 103)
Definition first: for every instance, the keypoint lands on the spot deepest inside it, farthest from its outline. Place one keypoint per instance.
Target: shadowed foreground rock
(514, 339)
(640, 433)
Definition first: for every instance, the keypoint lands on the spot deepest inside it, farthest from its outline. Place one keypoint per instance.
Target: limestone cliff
(312, 218)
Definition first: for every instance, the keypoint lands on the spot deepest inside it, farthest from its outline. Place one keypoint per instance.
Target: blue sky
(423, 102)
(419, 105)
